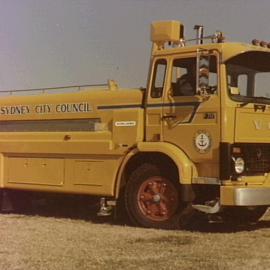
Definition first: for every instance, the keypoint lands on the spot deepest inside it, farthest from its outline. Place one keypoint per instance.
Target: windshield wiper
(262, 100)
(263, 97)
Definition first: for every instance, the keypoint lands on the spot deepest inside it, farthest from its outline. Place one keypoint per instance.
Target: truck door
(155, 100)
(191, 120)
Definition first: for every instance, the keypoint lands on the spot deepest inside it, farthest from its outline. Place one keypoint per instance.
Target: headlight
(239, 165)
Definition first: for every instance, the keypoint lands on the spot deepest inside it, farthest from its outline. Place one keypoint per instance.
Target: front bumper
(245, 196)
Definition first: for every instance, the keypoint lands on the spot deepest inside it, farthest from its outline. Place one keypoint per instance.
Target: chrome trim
(206, 180)
(51, 125)
(247, 196)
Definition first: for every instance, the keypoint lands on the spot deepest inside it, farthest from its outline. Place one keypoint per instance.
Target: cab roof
(227, 50)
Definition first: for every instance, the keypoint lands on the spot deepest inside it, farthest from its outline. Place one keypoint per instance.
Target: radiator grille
(257, 158)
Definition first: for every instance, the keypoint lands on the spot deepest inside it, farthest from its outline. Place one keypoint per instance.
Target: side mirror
(203, 63)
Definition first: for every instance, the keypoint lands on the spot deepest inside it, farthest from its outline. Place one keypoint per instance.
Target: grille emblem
(258, 153)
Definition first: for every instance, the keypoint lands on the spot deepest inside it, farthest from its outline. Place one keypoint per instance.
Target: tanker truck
(197, 138)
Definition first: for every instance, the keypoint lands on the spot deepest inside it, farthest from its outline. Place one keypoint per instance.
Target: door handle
(168, 116)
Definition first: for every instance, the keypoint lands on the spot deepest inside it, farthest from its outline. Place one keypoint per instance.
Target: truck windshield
(248, 77)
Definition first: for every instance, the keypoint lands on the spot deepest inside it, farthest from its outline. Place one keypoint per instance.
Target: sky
(49, 43)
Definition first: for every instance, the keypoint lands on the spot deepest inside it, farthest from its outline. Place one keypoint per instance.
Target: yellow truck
(198, 136)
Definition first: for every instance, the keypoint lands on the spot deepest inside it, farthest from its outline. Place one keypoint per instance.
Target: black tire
(243, 215)
(1, 201)
(152, 199)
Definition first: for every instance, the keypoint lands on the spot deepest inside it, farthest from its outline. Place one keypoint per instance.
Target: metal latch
(168, 116)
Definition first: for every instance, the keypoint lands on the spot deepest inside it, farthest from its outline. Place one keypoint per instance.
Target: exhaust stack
(199, 37)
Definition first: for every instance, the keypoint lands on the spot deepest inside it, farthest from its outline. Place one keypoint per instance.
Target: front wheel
(152, 199)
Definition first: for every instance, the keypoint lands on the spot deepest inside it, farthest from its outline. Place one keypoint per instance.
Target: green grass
(39, 242)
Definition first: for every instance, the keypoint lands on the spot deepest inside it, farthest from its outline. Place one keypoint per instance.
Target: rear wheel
(152, 199)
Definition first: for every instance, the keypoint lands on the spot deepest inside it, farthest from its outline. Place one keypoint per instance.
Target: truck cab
(212, 102)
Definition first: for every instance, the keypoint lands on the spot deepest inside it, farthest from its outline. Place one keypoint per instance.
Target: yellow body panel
(41, 171)
(252, 125)
(63, 142)
(186, 168)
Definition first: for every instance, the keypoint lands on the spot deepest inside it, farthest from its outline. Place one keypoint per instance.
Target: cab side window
(240, 81)
(158, 78)
(184, 77)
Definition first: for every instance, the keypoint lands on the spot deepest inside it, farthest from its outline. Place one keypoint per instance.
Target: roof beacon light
(255, 42)
(263, 44)
(220, 36)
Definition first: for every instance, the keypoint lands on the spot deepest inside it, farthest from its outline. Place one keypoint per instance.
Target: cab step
(106, 207)
(211, 207)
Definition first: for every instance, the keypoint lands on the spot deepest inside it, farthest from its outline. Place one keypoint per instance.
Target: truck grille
(257, 158)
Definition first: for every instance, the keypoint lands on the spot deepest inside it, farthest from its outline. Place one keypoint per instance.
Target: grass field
(66, 242)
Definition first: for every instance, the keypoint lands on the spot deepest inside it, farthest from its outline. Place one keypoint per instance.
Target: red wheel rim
(157, 198)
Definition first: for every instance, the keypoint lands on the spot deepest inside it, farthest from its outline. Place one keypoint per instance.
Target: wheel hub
(156, 198)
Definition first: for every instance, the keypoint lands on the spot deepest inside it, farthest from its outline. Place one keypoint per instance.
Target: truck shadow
(80, 209)
(209, 227)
